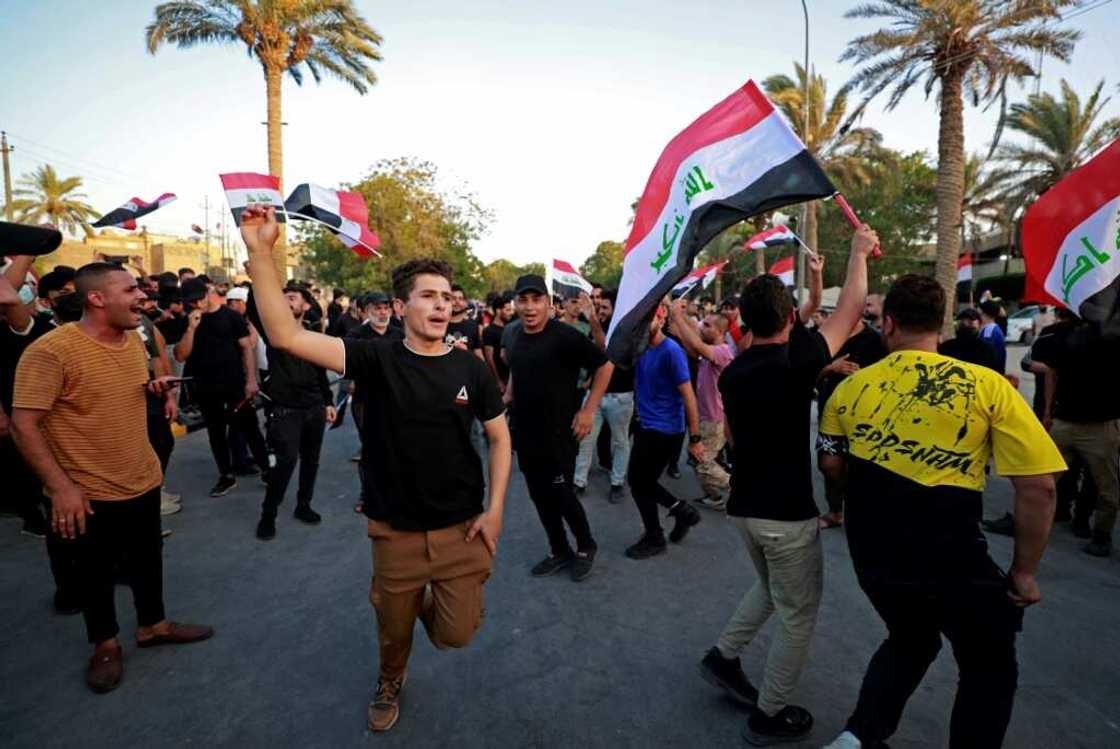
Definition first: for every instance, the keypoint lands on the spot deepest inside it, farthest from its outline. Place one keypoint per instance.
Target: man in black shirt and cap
(433, 542)
(545, 362)
(967, 345)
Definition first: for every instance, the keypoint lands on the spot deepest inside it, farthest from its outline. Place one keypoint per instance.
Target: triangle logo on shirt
(462, 399)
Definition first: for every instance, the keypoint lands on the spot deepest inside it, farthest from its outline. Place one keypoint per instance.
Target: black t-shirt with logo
(216, 362)
(492, 336)
(422, 473)
(767, 393)
(465, 331)
(546, 367)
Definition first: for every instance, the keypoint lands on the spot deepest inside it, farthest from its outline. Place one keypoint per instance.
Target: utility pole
(5, 149)
(206, 223)
(800, 271)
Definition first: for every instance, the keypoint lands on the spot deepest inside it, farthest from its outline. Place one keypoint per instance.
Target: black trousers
(295, 434)
(159, 432)
(122, 534)
(651, 454)
(980, 622)
(549, 479)
(220, 416)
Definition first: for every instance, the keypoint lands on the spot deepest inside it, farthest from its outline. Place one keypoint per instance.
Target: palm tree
(44, 198)
(971, 47)
(840, 149)
(984, 204)
(324, 35)
(1064, 134)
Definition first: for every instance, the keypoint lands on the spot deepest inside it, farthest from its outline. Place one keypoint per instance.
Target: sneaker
(582, 564)
(1081, 528)
(66, 604)
(727, 674)
(846, 740)
(618, 493)
(647, 546)
(166, 533)
(225, 483)
(167, 497)
(550, 565)
(266, 529)
(1005, 526)
(788, 725)
(385, 708)
(1098, 548)
(686, 516)
(674, 471)
(356, 457)
(717, 503)
(306, 514)
(169, 508)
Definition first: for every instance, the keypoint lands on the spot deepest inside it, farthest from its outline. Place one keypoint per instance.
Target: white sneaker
(846, 740)
(170, 503)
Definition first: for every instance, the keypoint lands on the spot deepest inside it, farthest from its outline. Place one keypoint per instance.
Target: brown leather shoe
(106, 668)
(178, 634)
(386, 706)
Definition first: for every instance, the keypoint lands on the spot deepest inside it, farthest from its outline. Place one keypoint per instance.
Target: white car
(1020, 326)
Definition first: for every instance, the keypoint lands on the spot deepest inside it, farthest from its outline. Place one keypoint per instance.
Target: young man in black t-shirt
(502, 309)
(462, 330)
(767, 393)
(433, 542)
(545, 362)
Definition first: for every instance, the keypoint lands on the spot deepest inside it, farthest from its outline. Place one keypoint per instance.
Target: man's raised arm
(849, 307)
(816, 287)
(259, 230)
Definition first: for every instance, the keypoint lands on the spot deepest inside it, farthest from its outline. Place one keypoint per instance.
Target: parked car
(1020, 326)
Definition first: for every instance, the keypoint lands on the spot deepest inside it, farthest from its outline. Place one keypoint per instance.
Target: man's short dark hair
(337, 293)
(916, 304)
(990, 308)
(765, 305)
(186, 270)
(610, 295)
(54, 281)
(91, 277)
(497, 301)
(404, 275)
(456, 287)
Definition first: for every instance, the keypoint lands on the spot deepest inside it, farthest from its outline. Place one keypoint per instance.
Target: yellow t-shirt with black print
(918, 429)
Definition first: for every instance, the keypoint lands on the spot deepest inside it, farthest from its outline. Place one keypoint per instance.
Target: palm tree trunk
(810, 233)
(272, 78)
(759, 262)
(950, 191)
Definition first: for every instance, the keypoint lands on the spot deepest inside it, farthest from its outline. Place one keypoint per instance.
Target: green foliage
(43, 196)
(605, 264)
(501, 274)
(413, 218)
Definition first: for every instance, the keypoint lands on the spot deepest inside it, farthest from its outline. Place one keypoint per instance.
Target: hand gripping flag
(246, 188)
(344, 214)
(773, 237)
(737, 160)
(1071, 239)
(566, 280)
(783, 269)
(701, 276)
(125, 216)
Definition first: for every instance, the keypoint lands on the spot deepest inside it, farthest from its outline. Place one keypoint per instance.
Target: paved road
(610, 662)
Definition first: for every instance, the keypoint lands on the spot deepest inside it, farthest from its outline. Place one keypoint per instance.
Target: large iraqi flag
(1071, 239)
(739, 159)
(126, 215)
(245, 188)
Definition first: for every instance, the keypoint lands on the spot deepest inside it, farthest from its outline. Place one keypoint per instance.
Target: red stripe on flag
(248, 180)
(784, 265)
(738, 113)
(352, 205)
(563, 265)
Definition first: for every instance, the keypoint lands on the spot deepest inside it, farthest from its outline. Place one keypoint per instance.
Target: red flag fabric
(783, 269)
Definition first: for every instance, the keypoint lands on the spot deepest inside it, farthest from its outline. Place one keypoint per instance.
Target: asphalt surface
(610, 662)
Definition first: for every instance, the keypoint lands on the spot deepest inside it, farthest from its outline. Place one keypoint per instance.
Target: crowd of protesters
(907, 427)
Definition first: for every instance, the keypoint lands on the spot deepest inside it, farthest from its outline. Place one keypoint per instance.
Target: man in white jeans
(617, 408)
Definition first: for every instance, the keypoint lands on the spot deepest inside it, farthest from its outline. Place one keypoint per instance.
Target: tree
(984, 206)
(413, 218)
(838, 148)
(1064, 133)
(961, 47)
(44, 197)
(323, 35)
(604, 267)
(501, 274)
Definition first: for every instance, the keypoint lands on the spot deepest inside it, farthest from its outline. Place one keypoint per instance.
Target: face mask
(966, 331)
(26, 294)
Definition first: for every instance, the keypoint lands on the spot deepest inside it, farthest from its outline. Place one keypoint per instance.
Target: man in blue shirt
(663, 393)
(991, 334)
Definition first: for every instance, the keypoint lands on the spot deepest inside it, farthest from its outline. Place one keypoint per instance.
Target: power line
(81, 160)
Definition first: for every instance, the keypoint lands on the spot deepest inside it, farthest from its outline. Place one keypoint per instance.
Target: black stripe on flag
(794, 181)
(300, 204)
(565, 290)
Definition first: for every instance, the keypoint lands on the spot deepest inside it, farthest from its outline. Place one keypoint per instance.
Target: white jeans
(617, 409)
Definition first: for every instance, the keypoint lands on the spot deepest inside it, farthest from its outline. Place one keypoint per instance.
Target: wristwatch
(694, 439)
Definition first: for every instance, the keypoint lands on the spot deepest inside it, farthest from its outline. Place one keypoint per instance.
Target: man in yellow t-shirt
(79, 419)
(914, 433)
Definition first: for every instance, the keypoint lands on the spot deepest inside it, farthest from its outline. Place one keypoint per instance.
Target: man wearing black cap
(548, 421)
(300, 406)
(219, 353)
(967, 345)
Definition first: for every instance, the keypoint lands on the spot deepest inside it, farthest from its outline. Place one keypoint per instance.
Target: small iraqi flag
(773, 237)
(964, 269)
(783, 269)
(701, 276)
(344, 214)
(567, 281)
(1071, 239)
(739, 159)
(247, 188)
(125, 216)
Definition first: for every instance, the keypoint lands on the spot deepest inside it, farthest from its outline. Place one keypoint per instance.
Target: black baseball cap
(193, 289)
(530, 282)
(375, 297)
(27, 239)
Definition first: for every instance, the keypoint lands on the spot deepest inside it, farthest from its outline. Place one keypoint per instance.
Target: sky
(553, 114)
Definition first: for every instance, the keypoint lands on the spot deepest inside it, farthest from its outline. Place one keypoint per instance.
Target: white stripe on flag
(1087, 261)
